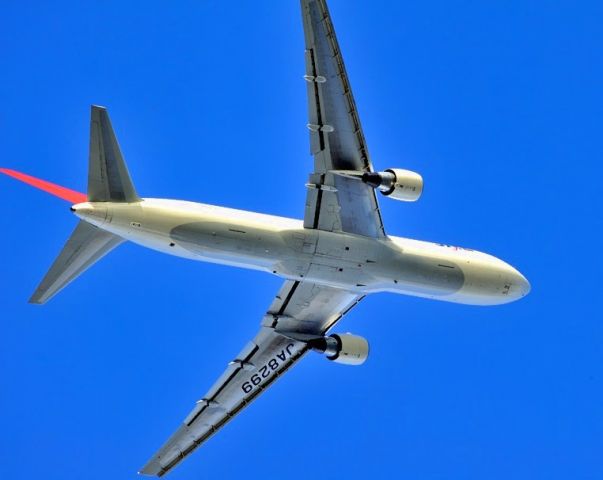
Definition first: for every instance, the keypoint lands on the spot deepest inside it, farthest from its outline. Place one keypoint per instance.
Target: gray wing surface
(299, 307)
(334, 202)
(108, 176)
(85, 247)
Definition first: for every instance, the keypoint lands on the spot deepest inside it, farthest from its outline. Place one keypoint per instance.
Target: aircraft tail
(108, 181)
(108, 176)
(86, 245)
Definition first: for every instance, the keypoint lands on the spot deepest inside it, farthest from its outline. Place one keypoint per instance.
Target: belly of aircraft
(283, 247)
(337, 260)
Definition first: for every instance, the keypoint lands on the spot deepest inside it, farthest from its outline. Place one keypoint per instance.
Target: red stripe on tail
(56, 190)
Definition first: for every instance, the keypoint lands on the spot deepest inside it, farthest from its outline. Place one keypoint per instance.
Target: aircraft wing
(299, 308)
(334, 202)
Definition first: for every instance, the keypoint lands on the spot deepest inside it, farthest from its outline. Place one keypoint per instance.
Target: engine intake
(345, 348)
(396, 183)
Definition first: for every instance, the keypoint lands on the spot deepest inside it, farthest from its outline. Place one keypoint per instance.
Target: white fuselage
(283, 247)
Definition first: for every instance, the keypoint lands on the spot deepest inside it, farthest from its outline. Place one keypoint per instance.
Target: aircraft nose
(523, 285)
(519, 285)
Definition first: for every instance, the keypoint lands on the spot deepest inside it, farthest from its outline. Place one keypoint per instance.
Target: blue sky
(497, 104)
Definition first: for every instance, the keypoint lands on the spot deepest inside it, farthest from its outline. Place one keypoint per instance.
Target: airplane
(329, 261)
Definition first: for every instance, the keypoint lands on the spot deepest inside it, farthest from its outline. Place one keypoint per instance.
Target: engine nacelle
(345, 348)
(396, 183)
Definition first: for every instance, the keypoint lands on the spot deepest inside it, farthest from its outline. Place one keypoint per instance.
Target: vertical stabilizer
(108, 177)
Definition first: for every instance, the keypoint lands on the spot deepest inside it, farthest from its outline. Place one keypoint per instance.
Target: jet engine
(345, 348)
(396, 183)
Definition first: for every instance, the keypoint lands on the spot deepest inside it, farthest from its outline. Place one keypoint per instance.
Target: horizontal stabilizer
(86, 246)
(52, 188)
(108, 176)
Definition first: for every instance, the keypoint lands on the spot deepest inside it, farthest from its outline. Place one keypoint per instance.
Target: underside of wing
(299, 308)
(334, 202)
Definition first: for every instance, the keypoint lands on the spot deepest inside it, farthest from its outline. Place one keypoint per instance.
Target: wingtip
(37, 299)
(148, 473)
